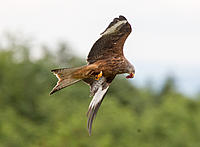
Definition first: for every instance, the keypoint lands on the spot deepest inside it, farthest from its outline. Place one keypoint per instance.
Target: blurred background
(159, 107)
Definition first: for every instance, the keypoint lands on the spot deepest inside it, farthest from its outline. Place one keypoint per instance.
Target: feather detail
(65, 78)
(113, 28)
(98, 91)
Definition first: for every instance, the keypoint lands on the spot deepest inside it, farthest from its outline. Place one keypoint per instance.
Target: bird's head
(130, 70)
(119, 26)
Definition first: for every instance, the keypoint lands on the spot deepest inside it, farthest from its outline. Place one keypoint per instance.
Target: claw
(97, 77)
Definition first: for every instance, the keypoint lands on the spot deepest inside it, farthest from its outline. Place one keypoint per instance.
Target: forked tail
(65, 78)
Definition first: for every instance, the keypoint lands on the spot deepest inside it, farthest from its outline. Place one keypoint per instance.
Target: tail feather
(65, 78)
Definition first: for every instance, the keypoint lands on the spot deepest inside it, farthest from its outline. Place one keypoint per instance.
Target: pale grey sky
(165, 37)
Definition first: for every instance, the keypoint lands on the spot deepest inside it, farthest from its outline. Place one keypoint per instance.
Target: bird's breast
(112, 66)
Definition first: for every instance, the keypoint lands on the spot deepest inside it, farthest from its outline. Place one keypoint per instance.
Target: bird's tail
(65, 77)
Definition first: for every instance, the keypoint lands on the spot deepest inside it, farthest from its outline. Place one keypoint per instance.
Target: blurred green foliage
(129, 116)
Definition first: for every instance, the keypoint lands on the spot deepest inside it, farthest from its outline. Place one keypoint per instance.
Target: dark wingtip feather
(91, 114)
(53, 91)
(54, 70)
(121, 17)
(56, 88)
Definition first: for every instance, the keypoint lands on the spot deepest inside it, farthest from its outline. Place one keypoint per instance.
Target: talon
(97, 77)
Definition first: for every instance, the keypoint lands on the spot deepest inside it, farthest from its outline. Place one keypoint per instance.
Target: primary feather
(94, 106)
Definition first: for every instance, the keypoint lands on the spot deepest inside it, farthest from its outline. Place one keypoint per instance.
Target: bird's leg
(97, 77)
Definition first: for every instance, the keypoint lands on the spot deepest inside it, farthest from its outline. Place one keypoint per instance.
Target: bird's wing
(109, 43)
(98, 89)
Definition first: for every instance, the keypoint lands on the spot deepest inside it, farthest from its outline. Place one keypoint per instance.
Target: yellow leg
(97, 77)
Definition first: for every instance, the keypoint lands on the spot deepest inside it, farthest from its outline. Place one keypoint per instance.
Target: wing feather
(98, 90)
(109, 44)
(94, 106)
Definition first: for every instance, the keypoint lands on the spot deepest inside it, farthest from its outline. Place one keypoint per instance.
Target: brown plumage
(105, 61)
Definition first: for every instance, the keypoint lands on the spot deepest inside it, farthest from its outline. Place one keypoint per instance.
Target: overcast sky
(165, 38)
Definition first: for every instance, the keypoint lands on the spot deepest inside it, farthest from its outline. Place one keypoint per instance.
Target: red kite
(105, 61)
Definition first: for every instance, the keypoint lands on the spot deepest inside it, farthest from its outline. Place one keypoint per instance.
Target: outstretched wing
(111, 42)
(98, 90)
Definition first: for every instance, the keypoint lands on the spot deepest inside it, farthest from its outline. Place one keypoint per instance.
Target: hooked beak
(131, 75)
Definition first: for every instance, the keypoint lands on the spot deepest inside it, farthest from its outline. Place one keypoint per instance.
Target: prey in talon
(105, 61)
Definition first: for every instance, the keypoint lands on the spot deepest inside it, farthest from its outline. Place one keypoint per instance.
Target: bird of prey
(105, 61)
